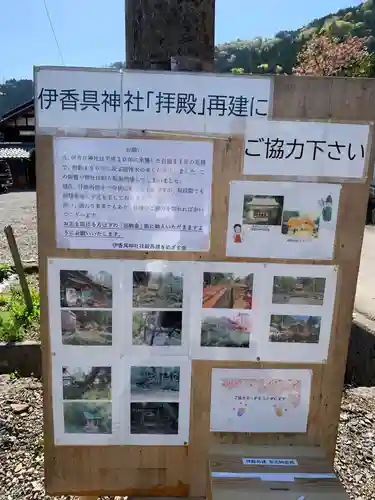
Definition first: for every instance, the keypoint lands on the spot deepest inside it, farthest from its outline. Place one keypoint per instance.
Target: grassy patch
(16, 323)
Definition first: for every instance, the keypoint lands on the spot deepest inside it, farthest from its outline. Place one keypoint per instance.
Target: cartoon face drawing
(237, 230)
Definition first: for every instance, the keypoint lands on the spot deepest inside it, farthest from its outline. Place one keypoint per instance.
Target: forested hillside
(254, 56)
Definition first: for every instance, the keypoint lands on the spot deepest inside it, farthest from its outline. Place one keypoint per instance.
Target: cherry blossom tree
(328, 56)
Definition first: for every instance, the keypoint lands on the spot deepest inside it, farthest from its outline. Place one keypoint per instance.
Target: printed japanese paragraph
(306, 149)
(128, 194)
(87, 399)
(192, 103)
(282, 220)
(259, 400)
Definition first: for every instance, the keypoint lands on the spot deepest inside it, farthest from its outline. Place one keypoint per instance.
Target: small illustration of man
(237, 230)
(327, 209)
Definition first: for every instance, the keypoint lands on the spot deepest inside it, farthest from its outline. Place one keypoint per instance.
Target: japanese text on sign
(306, 149)
(270, 461)
(143, 100)
(133, 194)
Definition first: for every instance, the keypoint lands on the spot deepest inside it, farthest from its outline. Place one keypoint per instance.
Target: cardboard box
(272, 473)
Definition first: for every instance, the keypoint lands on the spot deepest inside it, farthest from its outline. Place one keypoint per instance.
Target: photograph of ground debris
(156, 290)
(86, 327)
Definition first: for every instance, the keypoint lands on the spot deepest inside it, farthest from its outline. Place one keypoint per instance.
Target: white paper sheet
(296, 318)
(306, 149)
(282, 220)
(106, 99)
(155, 399)
(226, 302)
(85, 303)
(133, 194)
(156, 307)
(100, 298)
(260, 400)
(86, 408)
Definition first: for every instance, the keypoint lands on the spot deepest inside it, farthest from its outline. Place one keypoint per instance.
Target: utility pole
(175, 35)
(169, 35)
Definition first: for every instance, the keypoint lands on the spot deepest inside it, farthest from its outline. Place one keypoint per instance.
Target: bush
(14, 316)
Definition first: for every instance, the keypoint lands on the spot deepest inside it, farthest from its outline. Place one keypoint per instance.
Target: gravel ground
(18, 209)
(21, 441)
(21, 407)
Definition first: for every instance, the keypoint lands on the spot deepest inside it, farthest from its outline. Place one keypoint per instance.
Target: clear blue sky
(91, 32)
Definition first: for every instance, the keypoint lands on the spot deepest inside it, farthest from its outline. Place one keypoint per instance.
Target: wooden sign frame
(182, 470)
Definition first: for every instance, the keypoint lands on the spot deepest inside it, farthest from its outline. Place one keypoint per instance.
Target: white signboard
(306, 149)
(259, 400)
(133, 194)
(72, 98)
(282, 220)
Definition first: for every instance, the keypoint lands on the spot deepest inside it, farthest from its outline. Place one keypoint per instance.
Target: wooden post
(19, 267)
(170, 34)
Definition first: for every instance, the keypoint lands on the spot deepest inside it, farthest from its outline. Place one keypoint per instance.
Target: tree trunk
(158, 30)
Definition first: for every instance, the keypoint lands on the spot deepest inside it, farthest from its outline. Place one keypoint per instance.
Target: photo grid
(226, 302)
(157, 308)
(86, 308)
(159, 400)
(87, 399)
(81, 294)
(154, 406)
(294, 304)
(300, 314)
(223, 326)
